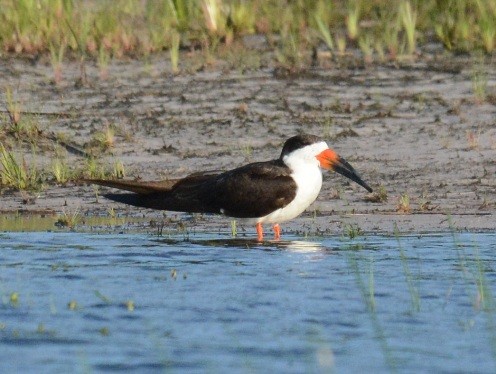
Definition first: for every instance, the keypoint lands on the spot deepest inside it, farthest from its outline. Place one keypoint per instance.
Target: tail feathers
(152, 201)
(135, 186)
(163, 201)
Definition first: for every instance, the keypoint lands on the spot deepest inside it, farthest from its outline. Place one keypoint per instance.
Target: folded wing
(251, 191)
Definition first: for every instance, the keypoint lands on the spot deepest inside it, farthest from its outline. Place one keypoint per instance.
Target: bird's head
(310, 150)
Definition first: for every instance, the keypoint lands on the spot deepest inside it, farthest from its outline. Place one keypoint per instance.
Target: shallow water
(74, 302)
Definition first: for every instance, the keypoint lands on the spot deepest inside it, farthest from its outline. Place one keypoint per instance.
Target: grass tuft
(61, 171)
(17, 174)
(69, 220)
(404, 204)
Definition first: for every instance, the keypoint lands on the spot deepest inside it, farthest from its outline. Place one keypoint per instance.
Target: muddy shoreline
(417, 130)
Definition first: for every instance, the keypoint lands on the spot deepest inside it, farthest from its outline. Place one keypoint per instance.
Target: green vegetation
(479, 82)
(16, 173)
(69, 220)
(101, 30)
(16, 124)
(368, 296)
(404, 204)
(61, 171)
(234, 229)
(352, 231)
(103, 140)
(412, 286)
(14, 298)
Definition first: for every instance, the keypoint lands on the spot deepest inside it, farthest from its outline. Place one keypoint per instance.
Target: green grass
(69, 219)
(234, 229)
(412, 286)
(61, 171)
(17, 174)
(367, 292)
(479, 81)
(101, 30)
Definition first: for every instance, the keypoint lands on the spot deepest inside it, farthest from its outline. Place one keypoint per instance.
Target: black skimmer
(262, 192)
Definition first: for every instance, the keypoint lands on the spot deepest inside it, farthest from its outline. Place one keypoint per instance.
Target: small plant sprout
(412, 287)
(365, 45)
(41, 328)
(409, 21)
(378, 196)
(368, 297)
(479, 83)
(341, 44)
(327, 127)
(60, 171)
(473, 139)
(382, 194)
(13, 107)
(129, 304)
(379, 48)
(352, 19)
(93, 169)
(404, 204)
(173, 274)
(105, 139)
(174, 51)
(425, 204)
(56, 58)
(119, 170)
(484, 298)
(72, 305)
(14, 298)
(324, 32)
(247, 151)
(103, 297)
(111, 212)
(371, 284)
(103, 62)
(352, 231)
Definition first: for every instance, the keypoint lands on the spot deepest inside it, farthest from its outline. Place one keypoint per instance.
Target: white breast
(308, 178)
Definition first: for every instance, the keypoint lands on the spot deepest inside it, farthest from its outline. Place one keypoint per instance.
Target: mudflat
(416, 132)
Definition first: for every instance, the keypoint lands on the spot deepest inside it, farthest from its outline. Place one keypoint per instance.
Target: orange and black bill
(331, 160)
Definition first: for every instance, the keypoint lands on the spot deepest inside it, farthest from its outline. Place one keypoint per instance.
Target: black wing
(254, 190)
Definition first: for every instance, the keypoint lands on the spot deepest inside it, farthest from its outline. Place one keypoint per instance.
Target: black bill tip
(344, 168)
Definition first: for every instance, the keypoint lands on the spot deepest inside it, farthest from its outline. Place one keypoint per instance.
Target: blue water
(74, 302)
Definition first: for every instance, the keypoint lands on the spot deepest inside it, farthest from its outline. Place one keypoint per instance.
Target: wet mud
(416, 132)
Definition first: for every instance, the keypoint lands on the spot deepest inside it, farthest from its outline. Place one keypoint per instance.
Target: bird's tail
(183, 195)
(153, 200)
(144, 194)
(134, 186)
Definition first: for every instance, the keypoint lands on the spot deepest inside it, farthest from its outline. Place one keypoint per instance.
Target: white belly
(309, 182)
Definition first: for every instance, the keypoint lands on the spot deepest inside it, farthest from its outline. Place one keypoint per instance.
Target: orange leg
(277, 231)
(259, 232)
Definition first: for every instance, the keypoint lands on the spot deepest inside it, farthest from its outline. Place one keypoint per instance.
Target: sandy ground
(416, 130)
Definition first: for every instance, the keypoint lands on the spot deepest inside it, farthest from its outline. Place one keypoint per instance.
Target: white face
(305, 156)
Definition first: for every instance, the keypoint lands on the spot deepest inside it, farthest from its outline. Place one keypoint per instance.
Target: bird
(267, 192)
